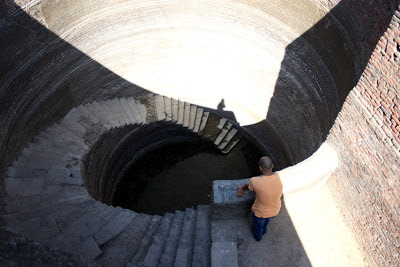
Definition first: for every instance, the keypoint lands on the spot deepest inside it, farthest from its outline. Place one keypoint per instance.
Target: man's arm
(241, 190)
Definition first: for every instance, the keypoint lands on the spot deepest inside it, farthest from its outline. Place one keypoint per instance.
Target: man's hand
(240, 191)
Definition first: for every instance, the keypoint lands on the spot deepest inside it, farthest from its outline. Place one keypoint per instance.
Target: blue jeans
(259, 227)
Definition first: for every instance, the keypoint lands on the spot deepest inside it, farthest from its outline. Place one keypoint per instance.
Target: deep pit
(179, 176)
(283, 68)
(163, 167)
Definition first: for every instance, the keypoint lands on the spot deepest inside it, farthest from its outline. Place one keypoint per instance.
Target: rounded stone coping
(307, 174)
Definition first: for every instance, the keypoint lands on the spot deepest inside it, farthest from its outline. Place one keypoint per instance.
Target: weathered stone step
(213, 127)
(184, 252)
(14, 219)
(160, 107)
(72, 238)
(118, 111)
(114, 227)
(168, 256)
(228, 137)
(49, 225)
(119, 108)
(60, 136)
(168, 108)
(121, 249)
(70, 123)
(223, 133)
(154, 252)
(181, 112)
(146, 240)
(132, 104)
(186, 114)
(192, 117)
(62, 152)
(84, 118)
(175, 110)
(202, 241)
(109, 110)
(147, 108)
(128, 111)
(204, 120)
(97, 111)
(197, 120)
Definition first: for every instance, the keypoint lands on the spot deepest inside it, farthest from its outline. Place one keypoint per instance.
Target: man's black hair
(265, 163)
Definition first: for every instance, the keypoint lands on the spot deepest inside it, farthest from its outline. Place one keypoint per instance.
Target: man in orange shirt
(268, 188)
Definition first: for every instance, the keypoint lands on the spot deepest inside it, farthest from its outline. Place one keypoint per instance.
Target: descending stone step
(168, 108)
(14, 220)
(128, 110)
(117, 111)
(70, 123)
(60, 136)
(228, 137)
(181, 112)
(175, 110)
(47, 226)
(154, 252)
(114, 227)
(202, 241)
(108, 109)
(121, 249)
(232, 143)
(146, 241)
(151, 108)
(168, 255)
(223, 133)
(160, 107)
(197, 120)
(100, 114)
(119, 108)
(213, 127)
(132, 104)
(192, 117)
(72, 238)
(184, 252)
(204, 120)
(87, 121)
(88, 115)
(186, 114)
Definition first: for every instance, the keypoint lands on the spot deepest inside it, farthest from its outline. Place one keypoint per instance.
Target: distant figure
(221, 105)
(268, 188)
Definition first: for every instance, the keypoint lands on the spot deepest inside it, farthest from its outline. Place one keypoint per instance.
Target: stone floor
(309, 231)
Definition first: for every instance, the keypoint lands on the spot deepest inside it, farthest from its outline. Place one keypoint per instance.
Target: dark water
(178, 176)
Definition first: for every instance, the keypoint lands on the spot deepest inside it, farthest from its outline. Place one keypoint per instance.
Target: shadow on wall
(317, 73)
(42, 78)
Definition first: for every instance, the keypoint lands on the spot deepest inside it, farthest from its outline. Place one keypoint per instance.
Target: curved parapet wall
(303, 176)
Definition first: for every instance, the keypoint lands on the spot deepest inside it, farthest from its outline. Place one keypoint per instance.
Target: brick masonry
(366, 135)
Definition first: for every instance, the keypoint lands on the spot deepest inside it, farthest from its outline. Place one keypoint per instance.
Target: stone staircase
(46, 198)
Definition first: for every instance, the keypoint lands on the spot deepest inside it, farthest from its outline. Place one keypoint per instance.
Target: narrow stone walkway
(309, 231)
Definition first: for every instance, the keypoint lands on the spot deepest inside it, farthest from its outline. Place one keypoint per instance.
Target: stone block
(89, 249)
(224, 254)
(114, 227)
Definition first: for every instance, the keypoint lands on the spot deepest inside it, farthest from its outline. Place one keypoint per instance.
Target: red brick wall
(366, 135)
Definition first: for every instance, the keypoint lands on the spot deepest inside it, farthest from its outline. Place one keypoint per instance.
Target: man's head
(266, 164)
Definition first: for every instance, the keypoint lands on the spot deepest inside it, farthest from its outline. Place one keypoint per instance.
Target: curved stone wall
(201, 52)
(283, 68)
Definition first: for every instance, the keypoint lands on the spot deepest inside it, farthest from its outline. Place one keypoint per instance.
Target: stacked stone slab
(47, 199)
